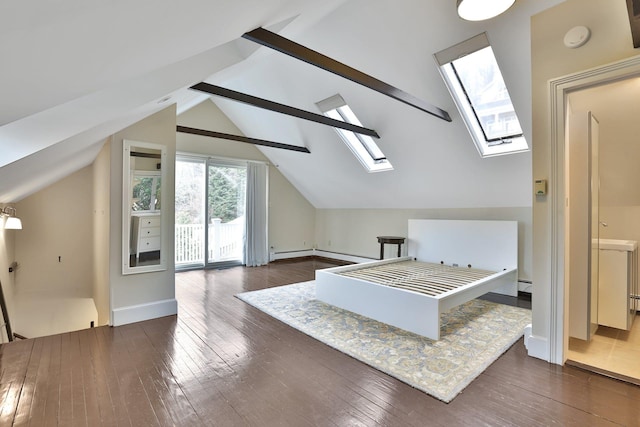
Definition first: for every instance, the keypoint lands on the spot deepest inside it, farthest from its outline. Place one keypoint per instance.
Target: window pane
(362, 146)
(484, 86)
(372, 148)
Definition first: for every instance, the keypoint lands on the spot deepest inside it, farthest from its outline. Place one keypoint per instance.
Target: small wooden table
(392, 240)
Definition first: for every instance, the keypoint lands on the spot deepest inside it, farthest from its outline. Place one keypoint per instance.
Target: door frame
(559, 89)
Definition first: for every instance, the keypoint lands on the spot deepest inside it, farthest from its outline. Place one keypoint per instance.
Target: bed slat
(424, 277)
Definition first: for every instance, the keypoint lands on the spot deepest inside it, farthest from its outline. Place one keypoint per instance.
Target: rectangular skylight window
(472, 74)
(362, 146)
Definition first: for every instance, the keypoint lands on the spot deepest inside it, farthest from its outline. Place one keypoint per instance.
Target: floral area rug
(473, 335)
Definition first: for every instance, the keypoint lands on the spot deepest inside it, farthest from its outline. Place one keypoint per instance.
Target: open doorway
(610, 340)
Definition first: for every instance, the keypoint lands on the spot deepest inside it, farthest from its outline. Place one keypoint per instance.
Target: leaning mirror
(143, 215)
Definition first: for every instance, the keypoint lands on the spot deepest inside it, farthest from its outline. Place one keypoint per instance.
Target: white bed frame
(488, 245)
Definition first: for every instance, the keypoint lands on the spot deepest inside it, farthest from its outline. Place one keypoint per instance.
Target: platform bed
(449, 263)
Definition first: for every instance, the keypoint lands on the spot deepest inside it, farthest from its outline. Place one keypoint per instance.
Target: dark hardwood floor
(223, 362)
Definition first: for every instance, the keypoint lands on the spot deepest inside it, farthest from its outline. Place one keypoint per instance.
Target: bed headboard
(483, 244)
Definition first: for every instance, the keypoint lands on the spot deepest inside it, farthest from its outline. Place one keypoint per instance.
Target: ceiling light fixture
(12, 222)
(479, 10)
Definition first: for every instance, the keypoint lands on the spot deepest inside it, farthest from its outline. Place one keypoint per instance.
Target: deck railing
(189, 243)
(225, 242)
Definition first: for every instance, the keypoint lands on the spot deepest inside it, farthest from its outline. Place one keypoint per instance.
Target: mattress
(417, 276)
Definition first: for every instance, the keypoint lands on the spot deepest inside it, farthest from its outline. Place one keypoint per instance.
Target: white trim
(140, 312)
(127, 146)
(332, 103)
(461, 49)
(525, 286)
(536, 346)
(558, 91)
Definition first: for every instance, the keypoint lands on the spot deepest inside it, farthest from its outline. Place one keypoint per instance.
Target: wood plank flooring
(221, 362)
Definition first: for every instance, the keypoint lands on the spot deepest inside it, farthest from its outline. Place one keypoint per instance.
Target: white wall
(610, 41)
(291, 216)
(54, 245)
(101, 219)
(137, 297)
(354, 231)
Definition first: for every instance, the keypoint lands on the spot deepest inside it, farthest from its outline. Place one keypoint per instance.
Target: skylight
(473, 77)
(362, 146)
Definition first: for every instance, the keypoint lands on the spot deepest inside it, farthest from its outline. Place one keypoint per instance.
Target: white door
(582, 215)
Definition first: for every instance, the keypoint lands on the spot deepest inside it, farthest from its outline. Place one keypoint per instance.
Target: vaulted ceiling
(75, 72)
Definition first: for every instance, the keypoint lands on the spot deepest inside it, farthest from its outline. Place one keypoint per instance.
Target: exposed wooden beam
(213, 134)
(633, 9)
(288, 47)
(281, 108)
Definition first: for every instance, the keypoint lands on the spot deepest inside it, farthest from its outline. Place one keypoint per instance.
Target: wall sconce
(479, 10)
(12, 222)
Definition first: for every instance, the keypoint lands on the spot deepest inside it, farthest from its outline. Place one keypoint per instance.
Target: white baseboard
(141, 312)
(341, 257)
(536, 346)
(525, 286)
(274, 256)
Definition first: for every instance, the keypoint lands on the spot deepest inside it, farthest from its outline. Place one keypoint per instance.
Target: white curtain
(256, 250)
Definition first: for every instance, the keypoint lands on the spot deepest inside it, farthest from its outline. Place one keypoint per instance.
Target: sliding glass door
(226, 195)
(210, 209)
(190, 212)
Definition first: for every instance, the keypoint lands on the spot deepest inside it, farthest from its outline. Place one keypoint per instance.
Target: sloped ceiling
(75, 72)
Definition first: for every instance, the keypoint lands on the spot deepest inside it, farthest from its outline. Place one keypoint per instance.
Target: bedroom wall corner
(291, 216)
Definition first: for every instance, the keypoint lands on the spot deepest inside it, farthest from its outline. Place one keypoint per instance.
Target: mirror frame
(126, 207)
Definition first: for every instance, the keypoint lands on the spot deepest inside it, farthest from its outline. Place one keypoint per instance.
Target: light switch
(540, 187)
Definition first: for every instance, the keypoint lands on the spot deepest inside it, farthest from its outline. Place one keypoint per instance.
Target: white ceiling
(75, 72)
